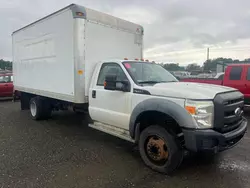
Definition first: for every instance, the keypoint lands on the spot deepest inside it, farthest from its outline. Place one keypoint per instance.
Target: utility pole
(207, 54)
(206, 60)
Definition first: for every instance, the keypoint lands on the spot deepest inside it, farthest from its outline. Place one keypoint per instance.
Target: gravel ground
(64, 152)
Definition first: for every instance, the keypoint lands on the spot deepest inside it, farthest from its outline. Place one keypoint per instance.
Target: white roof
(95, 16)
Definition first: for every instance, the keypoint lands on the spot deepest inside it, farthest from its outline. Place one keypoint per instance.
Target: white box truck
(75, 57)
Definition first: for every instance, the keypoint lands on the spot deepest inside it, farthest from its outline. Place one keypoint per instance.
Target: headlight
(202, 112)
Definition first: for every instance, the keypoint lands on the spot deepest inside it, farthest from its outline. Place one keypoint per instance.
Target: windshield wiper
(154, 82)
(148, 82)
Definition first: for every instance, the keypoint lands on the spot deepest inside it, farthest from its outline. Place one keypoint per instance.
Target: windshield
(148, 73)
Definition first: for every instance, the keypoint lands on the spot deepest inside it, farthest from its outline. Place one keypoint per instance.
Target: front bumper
(210, 140)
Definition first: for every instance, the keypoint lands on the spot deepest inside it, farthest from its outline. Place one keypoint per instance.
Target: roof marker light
(79, 14)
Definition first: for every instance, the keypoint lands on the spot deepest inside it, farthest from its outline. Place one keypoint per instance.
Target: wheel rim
(156, 150)
(33, 109)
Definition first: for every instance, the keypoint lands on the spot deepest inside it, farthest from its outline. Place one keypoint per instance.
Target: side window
(7, 79)
(235, 73)
(221, 77)
(248, 73)
(111, 68)
(4, 79)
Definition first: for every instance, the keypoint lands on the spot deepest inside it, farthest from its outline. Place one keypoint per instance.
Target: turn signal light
(191, 109)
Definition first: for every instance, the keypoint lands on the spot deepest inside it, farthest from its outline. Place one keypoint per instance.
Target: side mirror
(111, 83)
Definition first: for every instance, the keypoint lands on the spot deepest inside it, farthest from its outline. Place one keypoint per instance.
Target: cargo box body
(56, 56)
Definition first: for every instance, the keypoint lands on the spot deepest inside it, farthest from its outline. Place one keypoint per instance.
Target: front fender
(177, 112)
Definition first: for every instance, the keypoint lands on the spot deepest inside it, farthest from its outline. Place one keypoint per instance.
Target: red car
(236, 76)
(6, 85)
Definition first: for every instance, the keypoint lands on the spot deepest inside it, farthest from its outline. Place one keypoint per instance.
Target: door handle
(245, 85)
(94, 94)
(5, 84)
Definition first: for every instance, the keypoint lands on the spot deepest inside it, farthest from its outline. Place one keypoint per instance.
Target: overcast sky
(175, 30)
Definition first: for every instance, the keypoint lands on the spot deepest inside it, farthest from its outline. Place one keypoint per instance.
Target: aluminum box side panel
(103, 42)
(48, 94)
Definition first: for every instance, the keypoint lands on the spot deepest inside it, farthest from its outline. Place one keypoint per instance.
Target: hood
(187, 90)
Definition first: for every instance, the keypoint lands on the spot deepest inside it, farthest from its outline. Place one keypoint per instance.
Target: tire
(171, 151)
(39, 109)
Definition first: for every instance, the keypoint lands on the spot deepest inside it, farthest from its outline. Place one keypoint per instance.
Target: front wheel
(160, 150)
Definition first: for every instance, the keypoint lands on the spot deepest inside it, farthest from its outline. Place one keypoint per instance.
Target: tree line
(209, 65)
(5, 65)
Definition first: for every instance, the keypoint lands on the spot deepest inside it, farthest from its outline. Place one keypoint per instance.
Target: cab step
(112, 130)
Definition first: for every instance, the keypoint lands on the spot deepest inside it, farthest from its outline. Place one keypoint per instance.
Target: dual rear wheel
(40, 108)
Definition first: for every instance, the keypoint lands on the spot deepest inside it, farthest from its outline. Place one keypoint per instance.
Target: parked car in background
(219, 76)
(6, 85)
(181, 74)
(236, 76)
(204, 75)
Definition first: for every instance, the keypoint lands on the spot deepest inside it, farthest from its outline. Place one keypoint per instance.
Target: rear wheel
(39, 108)
(160, 150)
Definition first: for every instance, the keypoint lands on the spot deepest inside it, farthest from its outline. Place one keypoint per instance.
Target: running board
(112, 130)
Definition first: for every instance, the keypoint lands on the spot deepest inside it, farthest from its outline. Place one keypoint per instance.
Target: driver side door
(110, 107)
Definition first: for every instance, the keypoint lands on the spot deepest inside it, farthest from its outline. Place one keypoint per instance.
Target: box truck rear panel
(44, 57)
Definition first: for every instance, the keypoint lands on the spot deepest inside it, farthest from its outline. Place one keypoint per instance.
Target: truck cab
(238, 76)
(145, 104)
